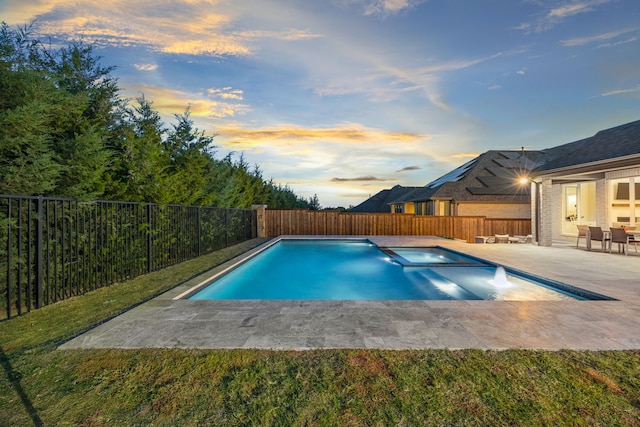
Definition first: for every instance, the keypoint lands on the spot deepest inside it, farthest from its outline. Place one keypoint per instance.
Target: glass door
(578, 206)
(570, 209)
(587, 203)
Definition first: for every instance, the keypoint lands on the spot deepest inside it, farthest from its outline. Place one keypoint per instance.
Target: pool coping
(166, 322)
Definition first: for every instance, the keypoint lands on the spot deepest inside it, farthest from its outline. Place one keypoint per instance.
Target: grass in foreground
(40, 385)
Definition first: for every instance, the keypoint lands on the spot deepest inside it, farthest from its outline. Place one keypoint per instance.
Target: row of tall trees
(65, 131)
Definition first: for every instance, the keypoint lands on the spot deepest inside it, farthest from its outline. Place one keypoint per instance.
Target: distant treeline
(66, 132)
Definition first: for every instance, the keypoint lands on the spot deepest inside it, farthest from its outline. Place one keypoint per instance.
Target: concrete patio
(583, 325)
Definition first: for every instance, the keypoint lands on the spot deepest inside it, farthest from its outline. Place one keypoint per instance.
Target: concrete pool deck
(582, 325)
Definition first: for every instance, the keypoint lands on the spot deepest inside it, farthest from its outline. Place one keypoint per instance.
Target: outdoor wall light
(523, 180)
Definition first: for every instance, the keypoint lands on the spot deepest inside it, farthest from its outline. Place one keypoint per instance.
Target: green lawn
(40, 385)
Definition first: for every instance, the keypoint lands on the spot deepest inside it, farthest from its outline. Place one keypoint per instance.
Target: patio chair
(521, 239)
(632, 238)
(502, 238)
(582, 232)
(620, 236)
(596, 233)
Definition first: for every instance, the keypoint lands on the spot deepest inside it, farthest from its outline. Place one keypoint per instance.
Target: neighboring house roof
(608, 144)
(379, 202)
(490, 177)
(417, 193)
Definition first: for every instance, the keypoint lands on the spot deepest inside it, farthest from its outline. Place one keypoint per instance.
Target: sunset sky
(342, 98)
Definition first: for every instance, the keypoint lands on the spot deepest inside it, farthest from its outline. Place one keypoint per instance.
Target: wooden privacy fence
(333, 223)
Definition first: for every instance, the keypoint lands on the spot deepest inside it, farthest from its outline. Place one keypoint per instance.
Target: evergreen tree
(28, 100)
(139, 166)
(187, 150)
(64, 131)
(314, 203)
(58, 146)
(82, 132)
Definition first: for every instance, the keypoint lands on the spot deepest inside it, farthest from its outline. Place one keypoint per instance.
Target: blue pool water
(359, 270)
(428, 256)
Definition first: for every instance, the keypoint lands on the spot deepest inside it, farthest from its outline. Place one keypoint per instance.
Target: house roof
(492, 176)
(379, 202)
(608, 144)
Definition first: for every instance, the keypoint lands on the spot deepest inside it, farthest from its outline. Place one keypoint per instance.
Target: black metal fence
(52, 249)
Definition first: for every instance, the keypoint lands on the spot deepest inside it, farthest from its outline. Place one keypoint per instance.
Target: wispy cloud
(21, 12)
(384, 7)
(146, 67)
(571, 9)
(622, 91)
(409, 168)
(326, 153)
(226, 93)
(181, 27)
(351, 133)
(619, 42)
(599, 38)
(368, 178)
(381, 8)
(170, 101)
(461, 64)
(424, 78)
(287, 35)
(556, 15)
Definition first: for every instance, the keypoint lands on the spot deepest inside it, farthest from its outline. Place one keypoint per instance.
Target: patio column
(602, 204)
(541, 212)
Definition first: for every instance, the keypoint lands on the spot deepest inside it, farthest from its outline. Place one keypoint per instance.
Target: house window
(399, 208)
(429, 208)
(625, 204)
(419, 208)
(622, 190)
(446, 207)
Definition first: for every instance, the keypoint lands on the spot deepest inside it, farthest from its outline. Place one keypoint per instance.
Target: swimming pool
(359, 270)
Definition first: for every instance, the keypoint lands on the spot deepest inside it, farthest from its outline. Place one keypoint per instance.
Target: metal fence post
(149, 239)
(226, 228)
(39, 257)
(9, 243)
(199, 230)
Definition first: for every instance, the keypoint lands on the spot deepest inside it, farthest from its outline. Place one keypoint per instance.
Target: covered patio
(593, 182)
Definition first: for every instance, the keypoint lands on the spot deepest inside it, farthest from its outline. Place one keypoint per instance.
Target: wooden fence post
(260, 219)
